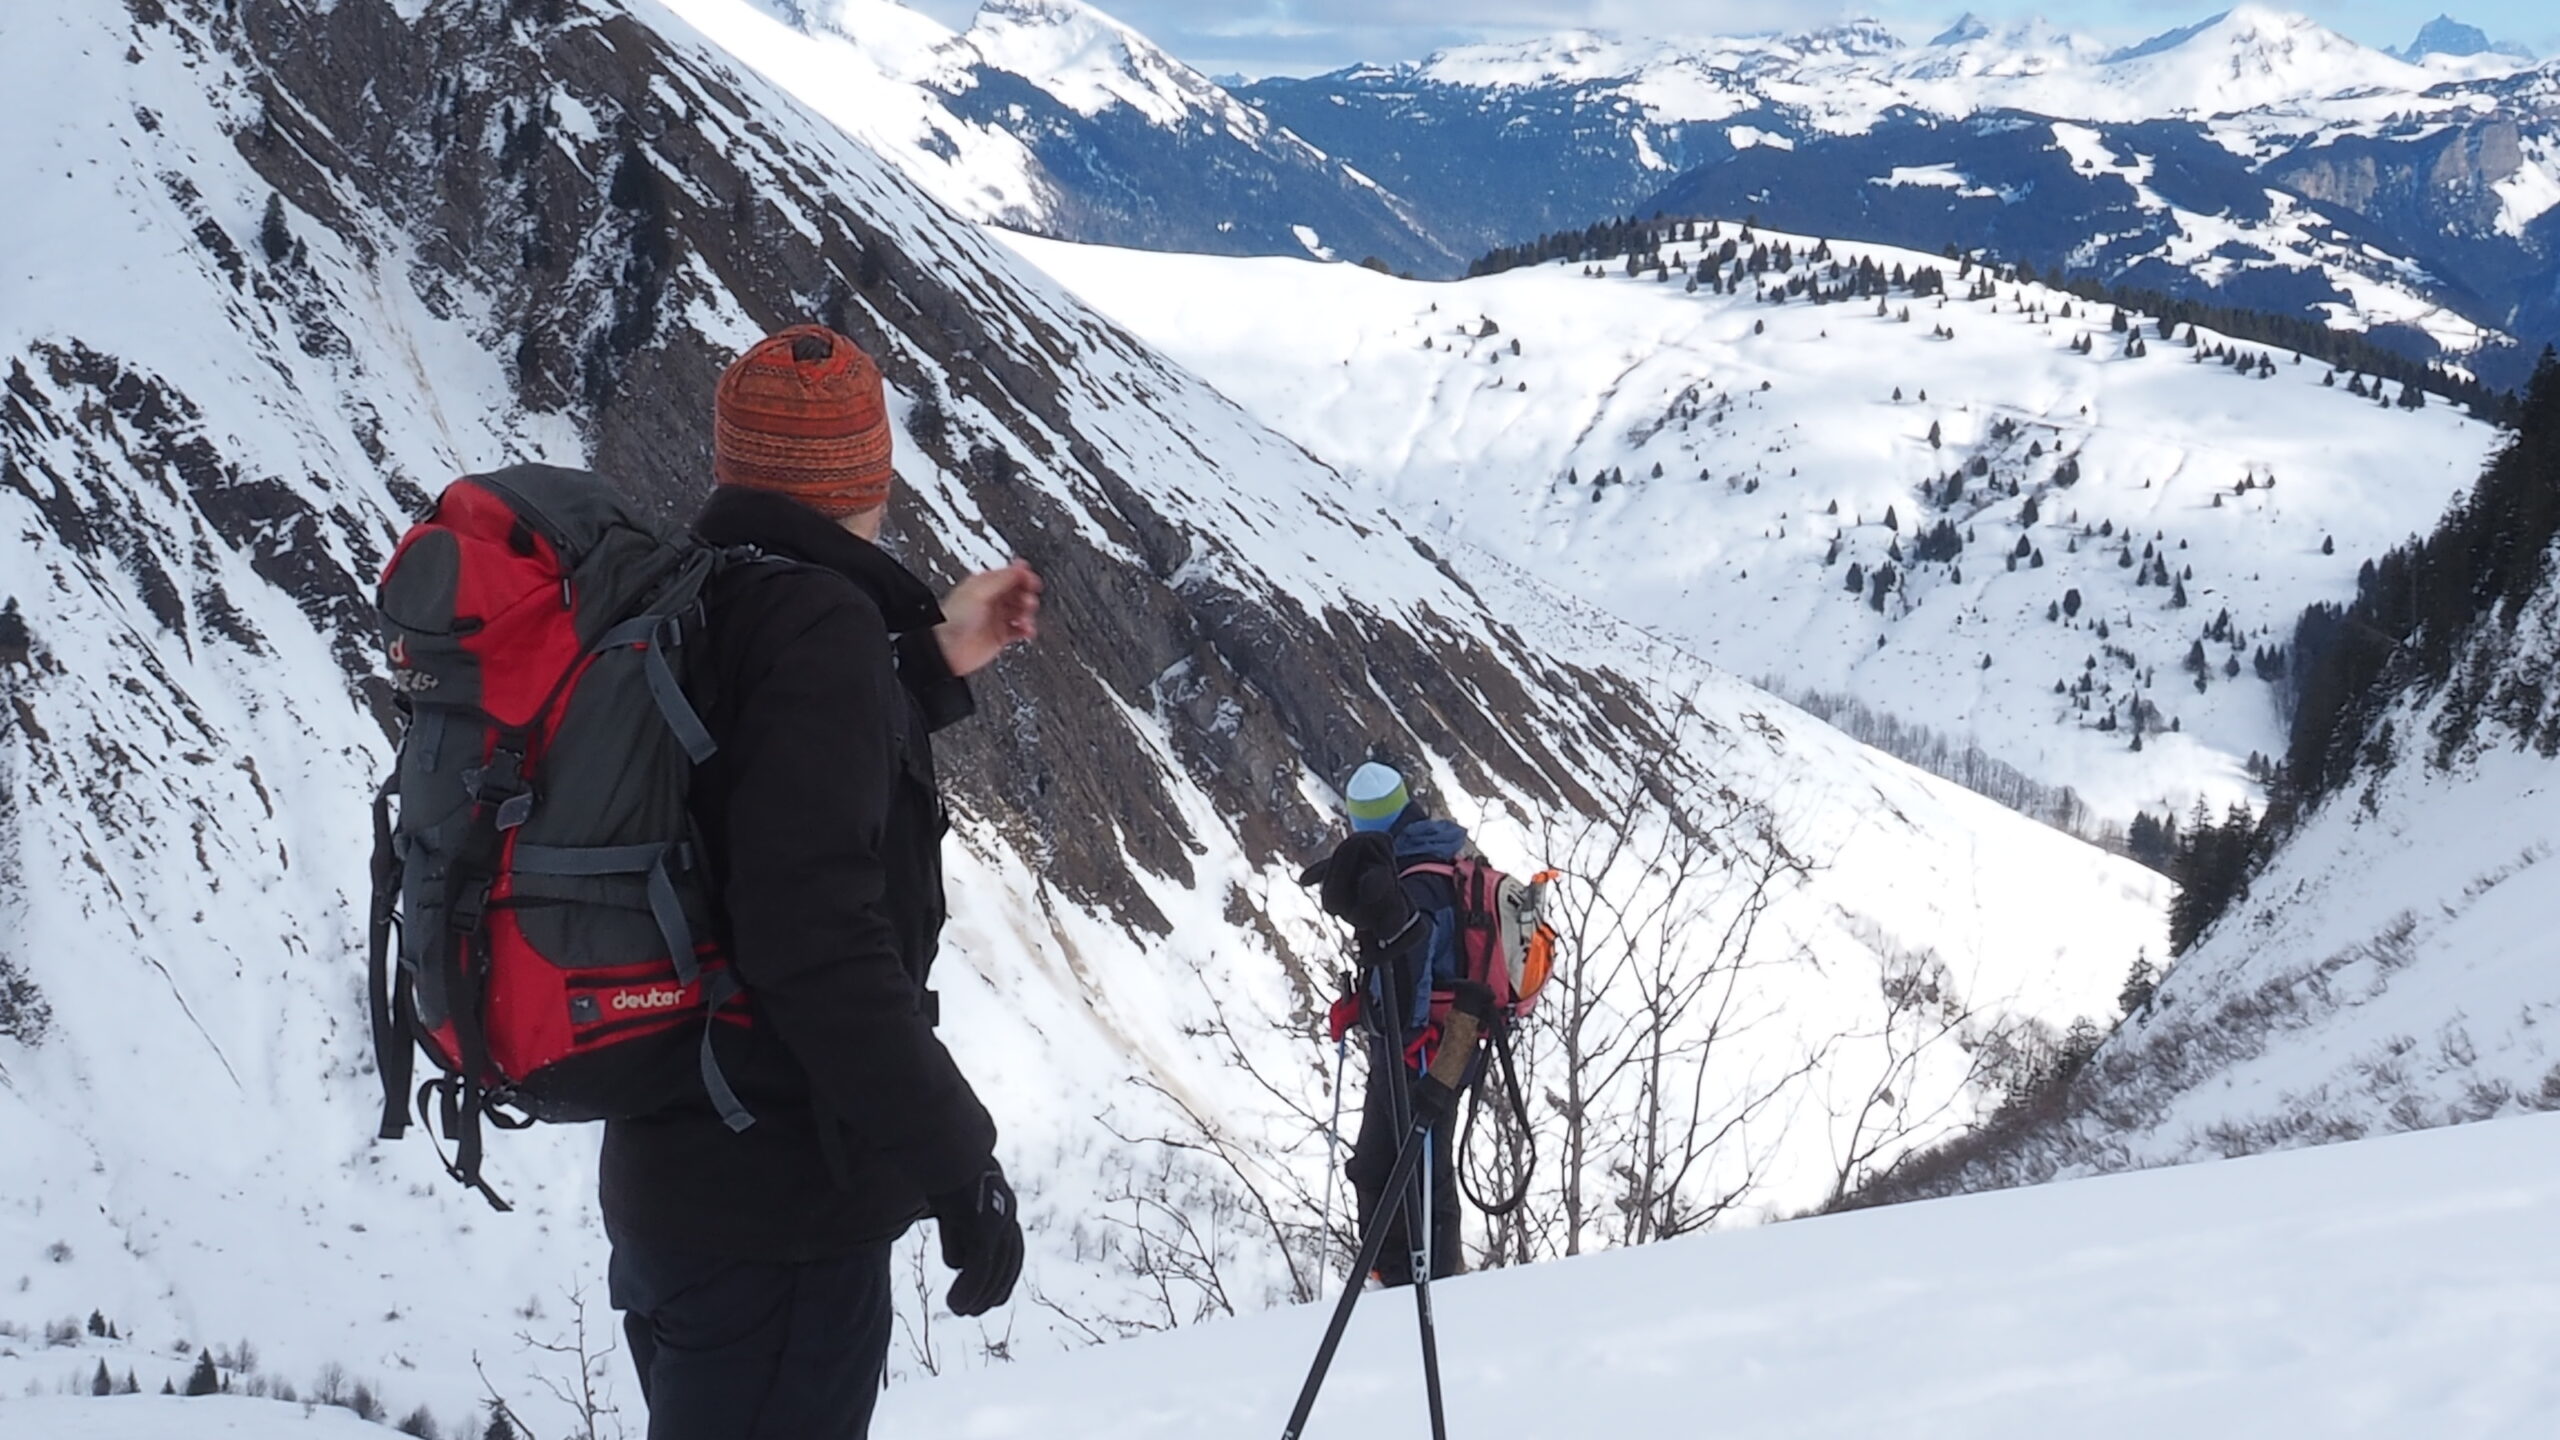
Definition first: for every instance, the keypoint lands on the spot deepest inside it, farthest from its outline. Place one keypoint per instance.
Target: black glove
(1359, 885)
(1433, 1102)
(982, 1239)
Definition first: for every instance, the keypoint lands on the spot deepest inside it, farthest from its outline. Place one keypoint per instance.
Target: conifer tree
(2142, 981)
(204, 1379)
(275, 241)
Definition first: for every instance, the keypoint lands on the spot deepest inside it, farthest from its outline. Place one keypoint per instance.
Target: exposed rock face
(2440, 185)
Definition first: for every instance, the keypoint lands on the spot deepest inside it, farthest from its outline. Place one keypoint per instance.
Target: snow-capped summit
(1051, 116)
(2249, 57)
(1091, 61)
(1969, 27)
(1972, 47)
(1570, 57)
(899, 39)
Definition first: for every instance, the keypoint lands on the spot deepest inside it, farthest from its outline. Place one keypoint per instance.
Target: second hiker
(1391, 879)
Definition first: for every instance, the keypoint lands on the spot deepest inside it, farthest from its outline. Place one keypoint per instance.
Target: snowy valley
(256, 314)
(1996, 516)
(283, 270)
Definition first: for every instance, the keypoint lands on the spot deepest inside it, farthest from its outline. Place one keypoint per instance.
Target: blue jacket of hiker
(1420, 841)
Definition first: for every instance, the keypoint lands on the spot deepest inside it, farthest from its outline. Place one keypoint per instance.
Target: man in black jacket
(753, 1267)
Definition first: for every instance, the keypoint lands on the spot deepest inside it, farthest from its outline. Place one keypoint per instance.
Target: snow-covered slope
(1755, 453)
(2398, 1287)
(2389, 965)
(270, 278)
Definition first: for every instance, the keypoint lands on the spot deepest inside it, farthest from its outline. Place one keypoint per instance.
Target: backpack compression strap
(657, 864)
(387, 996)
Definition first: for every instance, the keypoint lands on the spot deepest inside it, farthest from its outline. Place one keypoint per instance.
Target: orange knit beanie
(803, 413)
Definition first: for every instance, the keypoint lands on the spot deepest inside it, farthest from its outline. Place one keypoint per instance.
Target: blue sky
(1306, 36)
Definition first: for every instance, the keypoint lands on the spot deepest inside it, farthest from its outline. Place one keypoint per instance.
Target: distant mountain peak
(1091, 61)
(1968, 28)
(2258, 54)
(2449, 37)
(1864, 35)
(2239, 24)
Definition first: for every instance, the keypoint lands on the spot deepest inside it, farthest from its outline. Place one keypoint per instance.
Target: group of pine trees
(2417, 611)
(2299, 334)
(212, 1375)
(2210, 864)
(1607, 239)
(2416, 607)
(1723, 263)
(1639, 245)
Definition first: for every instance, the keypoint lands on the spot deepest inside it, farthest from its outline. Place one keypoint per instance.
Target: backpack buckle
(517, 810)
(497, 782)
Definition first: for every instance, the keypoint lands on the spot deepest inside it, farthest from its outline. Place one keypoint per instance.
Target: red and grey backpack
(1503, 939)
(1504, 942)
(555, 953)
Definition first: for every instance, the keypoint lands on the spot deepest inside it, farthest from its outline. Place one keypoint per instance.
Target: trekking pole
(1418, 1217)
(1458, 1042)
(1423, 1185)
(1333, 1144)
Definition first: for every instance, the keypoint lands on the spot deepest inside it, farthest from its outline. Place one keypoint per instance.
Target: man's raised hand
(987, 612)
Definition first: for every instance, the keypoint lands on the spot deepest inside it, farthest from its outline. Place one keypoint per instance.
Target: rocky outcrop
(2440, 184)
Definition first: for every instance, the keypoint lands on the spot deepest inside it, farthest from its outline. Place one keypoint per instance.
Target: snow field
(2391, 1288)
(162, 1417)
(1787, 410)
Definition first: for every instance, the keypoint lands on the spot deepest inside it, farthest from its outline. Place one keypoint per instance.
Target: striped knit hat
(1375, 797)
(803, 413)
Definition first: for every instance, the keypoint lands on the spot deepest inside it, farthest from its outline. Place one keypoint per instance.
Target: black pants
(1373, 1157)
(750, 1350)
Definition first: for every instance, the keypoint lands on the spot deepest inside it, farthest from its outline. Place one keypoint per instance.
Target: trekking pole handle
(1459, 1035)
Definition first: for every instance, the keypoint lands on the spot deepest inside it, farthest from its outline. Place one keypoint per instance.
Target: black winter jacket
(822, 683)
